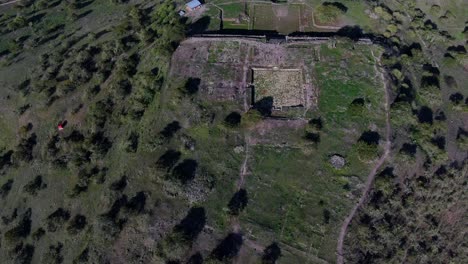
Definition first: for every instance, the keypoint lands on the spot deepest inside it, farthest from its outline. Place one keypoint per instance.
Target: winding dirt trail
(373, 172)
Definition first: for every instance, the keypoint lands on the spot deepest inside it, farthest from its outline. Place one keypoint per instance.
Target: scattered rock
(337, 161)
(239, 149)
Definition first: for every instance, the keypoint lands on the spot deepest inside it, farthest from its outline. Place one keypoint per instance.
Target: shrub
(366, 151)
(25, 254)
(22, 230)
(120, 184)
(132, 142)
(56, 219)
(83, 257)
(5, 159)
(18, 22)
(6, 188)
(329, 12)
(77, 224)
(54, 255)
(25, 148)
(35, 185)
(38, 234)
(137, 203)
(357, 107)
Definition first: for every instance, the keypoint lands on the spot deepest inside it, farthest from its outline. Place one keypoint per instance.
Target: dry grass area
(285, 86)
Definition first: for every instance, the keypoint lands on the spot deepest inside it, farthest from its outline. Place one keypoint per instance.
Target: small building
(181, 13)
(192, 5)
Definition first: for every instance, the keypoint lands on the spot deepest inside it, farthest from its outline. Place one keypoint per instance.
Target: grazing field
(234, 10)
(283, 85)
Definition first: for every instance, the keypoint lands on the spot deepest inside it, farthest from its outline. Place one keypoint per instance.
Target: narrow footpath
(373, 172)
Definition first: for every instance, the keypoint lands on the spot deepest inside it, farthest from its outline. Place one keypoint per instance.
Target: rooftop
(193, 4)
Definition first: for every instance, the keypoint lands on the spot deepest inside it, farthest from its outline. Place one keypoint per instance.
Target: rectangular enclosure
(284, 86)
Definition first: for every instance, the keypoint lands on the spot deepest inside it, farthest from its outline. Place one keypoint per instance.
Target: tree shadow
(170, 129)
(80, 16)
(36, 18)
(83, 4)
(228, 248)
(370, 137)
(168, 159)
(264, 106)
(352, 32)
(196, 258)
(233, 119)
(185, 171)
(192, 224)
(192, 85)
(238, 202)
(425, 115)
(271, 254)
(314, 137)
(137, 203)
(199, 26)
(120, 184)
(409, 149)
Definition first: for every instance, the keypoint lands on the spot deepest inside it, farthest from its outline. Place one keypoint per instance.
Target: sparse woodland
(128, 177)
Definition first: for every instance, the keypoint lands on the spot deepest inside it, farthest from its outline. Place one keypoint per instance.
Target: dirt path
(373, 172)
(9, 3)
(243, 169)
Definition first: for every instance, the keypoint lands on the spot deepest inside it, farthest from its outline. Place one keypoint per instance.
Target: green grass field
(295, 196)
(284, 19)
(233, 10)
